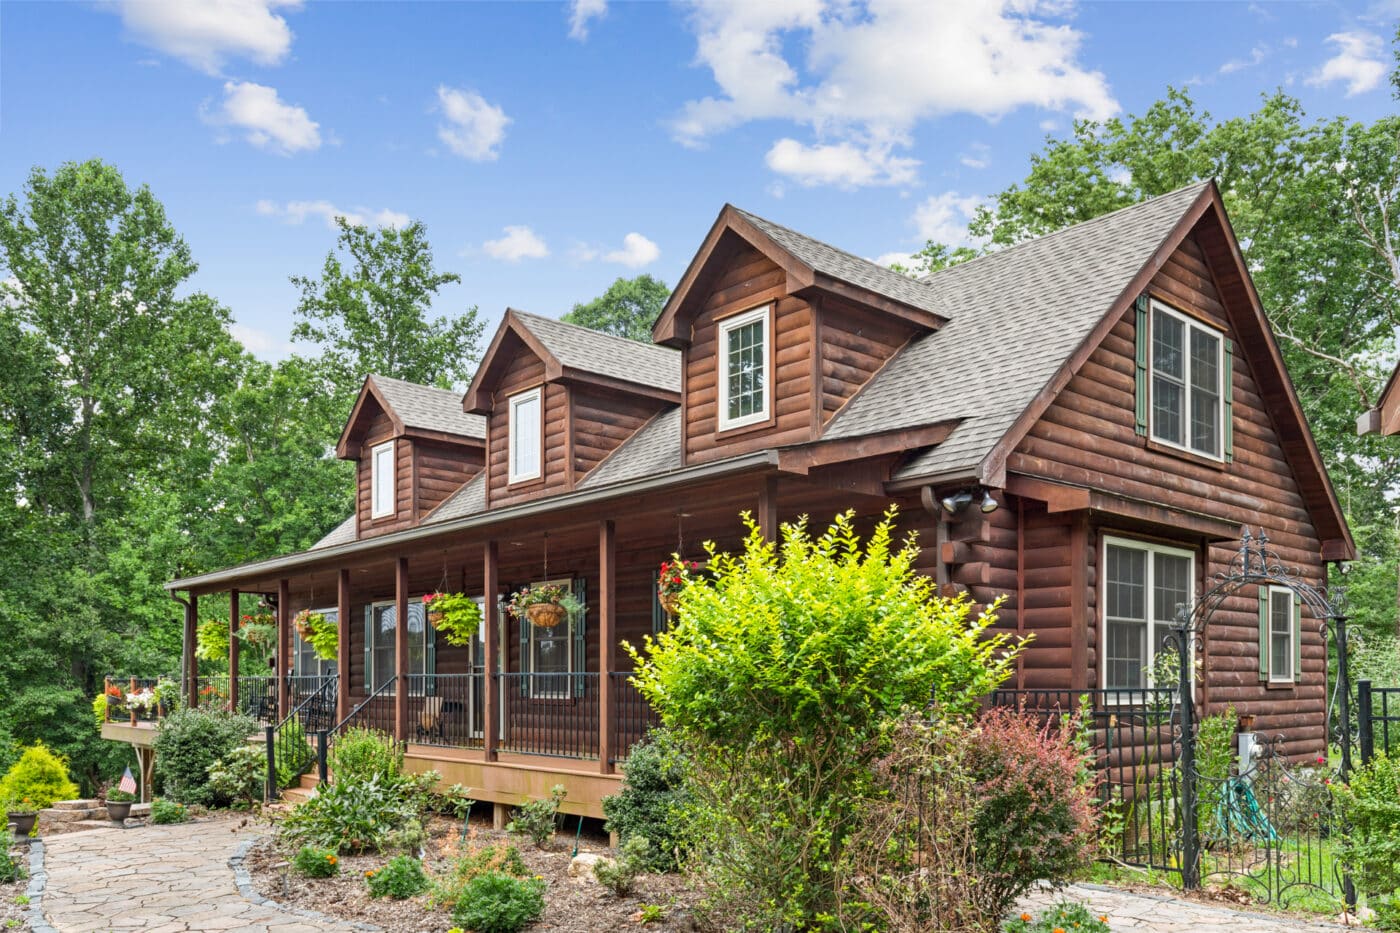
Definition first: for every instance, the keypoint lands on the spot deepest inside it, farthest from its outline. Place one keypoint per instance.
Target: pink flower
(1321, 760)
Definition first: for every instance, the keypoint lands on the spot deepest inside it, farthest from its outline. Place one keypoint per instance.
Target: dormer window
(381, 482)
(1187, 392)
(744, 386)
(526, 436)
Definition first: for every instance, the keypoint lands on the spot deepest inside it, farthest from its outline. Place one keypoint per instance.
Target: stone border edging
(38, 881)
(244, 881)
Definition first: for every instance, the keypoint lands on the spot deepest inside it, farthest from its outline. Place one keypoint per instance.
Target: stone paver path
(159, 879)
(1150, 913)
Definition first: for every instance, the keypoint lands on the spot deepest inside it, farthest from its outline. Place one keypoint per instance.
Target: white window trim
(298, 642)
(1224, 383)
(514, 436)
(430, 649)
(375, 479)
(1274, 678)
(764, 314)
(568, 690)
(1151, 548)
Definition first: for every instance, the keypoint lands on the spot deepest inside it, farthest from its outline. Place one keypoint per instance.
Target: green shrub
(188, 743)
(653, 799)
(361, 753)
(240, 776)
(350, 816)
(1370, 805)
(401, 877)
(499, 903)
(294, 755)
(537, 818)
(316, 862)
(168, 811)
(37, 780)
(778, 678)
(1066, 915)
(117, 795)
(620, 874)
(11, 866)
(1215, 758)
(497, 857)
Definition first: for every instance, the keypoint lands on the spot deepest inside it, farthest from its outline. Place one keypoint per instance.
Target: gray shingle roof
(343, 533)
(1015, 317)
(429, 408)
(655, 448)
(468, 500)
(616, 357)
(850, 268)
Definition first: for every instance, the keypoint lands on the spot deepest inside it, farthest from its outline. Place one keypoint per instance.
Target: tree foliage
(627, 309)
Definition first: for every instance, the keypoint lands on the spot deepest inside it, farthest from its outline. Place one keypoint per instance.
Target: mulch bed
(571, 905)
(12, 913)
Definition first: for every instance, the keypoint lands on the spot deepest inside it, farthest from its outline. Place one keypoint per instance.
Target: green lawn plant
(191, 741)
(351, 816)
(496, 902)
(399, 878)
(239, 777)
(538, 818)
(1370, 805)
(1065, 917)
(37, 780)
(778, 679)
(316, 862)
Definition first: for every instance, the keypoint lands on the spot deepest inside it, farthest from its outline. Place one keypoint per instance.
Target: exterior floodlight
(956, 503)
(989, 504)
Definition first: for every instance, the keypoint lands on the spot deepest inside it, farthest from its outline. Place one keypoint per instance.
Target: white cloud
(889, 259)
(519, 242)
(206, 33)
(873, 70)
(473, 129)
(637, 251)
(943, 218)
(259, 342)
(978, 155)
(580, 12)
(844, 164)
(296, 212)
(1357, 62)
(1256, 56)
(265, 119)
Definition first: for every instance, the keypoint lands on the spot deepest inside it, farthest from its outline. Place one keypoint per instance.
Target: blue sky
(550, 148)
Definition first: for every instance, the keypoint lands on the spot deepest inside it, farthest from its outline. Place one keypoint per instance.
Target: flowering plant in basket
(455, 615)
(544, 604)
(671, 580)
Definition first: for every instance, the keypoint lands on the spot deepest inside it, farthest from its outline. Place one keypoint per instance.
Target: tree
(369, 312)
(933, 257)
(627, 309)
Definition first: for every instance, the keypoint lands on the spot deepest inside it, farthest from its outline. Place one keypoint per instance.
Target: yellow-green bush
(39, 778)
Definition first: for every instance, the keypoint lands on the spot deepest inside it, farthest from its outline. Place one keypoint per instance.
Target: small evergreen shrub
(37, 780)
(168, 811)
(350, 816)
(11, 866)
(361, 754)
(316, 862)
(499, 857)
(239, 777)
(620, 874)
(499, 903)
(1066, 915)
(1370, 805)
(189, 742)
(537, 818)
(401, 877)
(653, 799)
(117, 795)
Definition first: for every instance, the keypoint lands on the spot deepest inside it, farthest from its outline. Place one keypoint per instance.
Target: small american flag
(127, 783)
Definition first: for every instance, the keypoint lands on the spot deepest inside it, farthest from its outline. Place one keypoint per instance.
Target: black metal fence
(297, 742)
(550, 714)
(632, 715)
(1377, 720)
(257, 697)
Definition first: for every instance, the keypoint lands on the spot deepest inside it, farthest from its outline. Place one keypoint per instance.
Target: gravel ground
(571, 905)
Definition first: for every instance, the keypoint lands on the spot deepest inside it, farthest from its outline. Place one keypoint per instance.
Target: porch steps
(303, 789)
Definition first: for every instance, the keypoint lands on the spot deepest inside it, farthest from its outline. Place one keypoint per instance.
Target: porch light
(989, 504)
(957, 502)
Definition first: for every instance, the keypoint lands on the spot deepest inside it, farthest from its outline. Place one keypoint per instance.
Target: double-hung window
(1143, 585)
(381, 480)
(1279, 622)
(744, 384)
(526, 436)
(381, 648)
(549, 655)
(305, 662)
(1189, 383)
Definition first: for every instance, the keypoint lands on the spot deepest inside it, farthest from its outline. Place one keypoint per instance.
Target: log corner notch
(962, 546)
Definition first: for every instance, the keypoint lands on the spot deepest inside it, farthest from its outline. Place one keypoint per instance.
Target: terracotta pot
(545, 615)
(23, 822)
(303, 630)
(1247, 722)
(434, 617)
(670, 602)
(119, 810)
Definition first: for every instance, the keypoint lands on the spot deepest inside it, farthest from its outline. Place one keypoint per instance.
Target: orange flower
(1103, 918)
(1058, 930)
(332, 859)
(1026, 918)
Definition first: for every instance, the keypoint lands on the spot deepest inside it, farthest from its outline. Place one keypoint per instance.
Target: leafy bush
(401, 877)
(653, 799)
(618, 875)
(500, 858)
(294, 756)
(168, 811)
(350, 816)
(1370, 804)
(778, 678)
(361, 754)
(11, 866)
(239, 777)
(1215, 757)
(1066, 915)
(499, 903)
(536, 818)
(117, 795)
(39, 778)
(316, 862)
(189, 742)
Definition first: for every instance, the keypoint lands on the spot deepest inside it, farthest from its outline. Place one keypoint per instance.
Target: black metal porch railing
(375, 711)
(1377, 719)
(257, 697)
(447, 710)
(550, 714)
(633, 716)
(212, 690)
(290, 752)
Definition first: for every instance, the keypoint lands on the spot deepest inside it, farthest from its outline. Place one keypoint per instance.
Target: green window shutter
(526, 662)
(1229, 389)
(659, 619)
(1143, 336)
(580, 623)
(1297, 639)
(1263, 633)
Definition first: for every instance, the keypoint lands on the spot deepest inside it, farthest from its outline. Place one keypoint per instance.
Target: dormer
(413, 446)
(777, 331)
(558, 399)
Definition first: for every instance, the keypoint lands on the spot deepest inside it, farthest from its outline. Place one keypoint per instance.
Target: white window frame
(567, 692)
(1223, 382)
(1292, 654)
(299, 646)
(764, 314)
(516, 437)
(1150, 548)
(415, 608)
(382, 481)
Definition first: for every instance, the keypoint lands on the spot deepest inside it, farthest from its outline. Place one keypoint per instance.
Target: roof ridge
(807, 236)
(416, 385)
(622, 341)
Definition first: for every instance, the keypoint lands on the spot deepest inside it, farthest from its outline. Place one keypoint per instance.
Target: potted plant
(119, 804)
(323, 636)
(305, 621)
(22, 812)
(211, 640)
(141, 701)
(257, 632)
(455, 615)
(544, 604)
(670, 580)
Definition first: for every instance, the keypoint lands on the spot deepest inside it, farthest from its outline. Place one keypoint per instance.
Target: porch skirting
(514, 779)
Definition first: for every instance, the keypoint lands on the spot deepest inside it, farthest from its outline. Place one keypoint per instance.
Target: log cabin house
(1080, 425)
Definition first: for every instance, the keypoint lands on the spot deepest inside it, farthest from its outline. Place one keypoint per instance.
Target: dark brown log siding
(380, 430)
(601, 421)
(526, 371)
(440, 470)
(855, 343)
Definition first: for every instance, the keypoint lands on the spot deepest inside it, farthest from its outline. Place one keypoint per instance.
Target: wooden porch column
(491, 728)
(342, 651)
(768, 508)
(233, 650)
(1079, 603)
(607, 640)
(191, 660)
(284, 647)
(401, 649)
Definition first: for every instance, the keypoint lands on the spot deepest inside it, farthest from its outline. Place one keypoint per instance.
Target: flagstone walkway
(1131, 912)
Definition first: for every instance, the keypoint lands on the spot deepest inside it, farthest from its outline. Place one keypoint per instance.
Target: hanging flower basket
(304, 622)
(545, 604)
(670, 582)
(546, 615)
(670, 602)
(456, 615)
